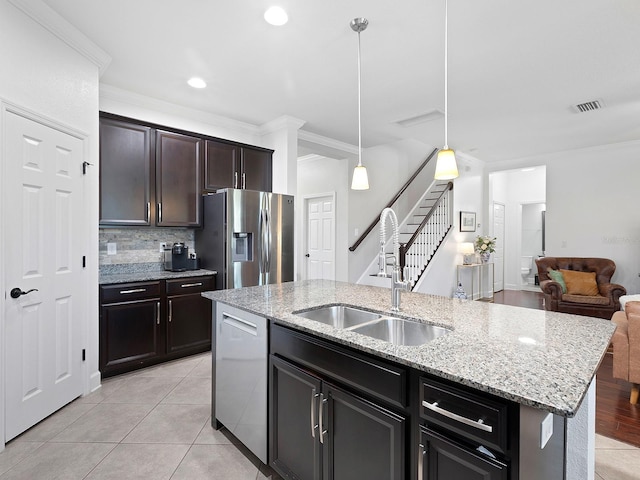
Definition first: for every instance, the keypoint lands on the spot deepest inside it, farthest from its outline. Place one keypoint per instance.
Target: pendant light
(446, 168)
(360, 180)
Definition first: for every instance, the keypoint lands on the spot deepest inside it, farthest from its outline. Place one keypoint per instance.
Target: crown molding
(109, 92)
(336, 145)
(65, 31)
(544, 158)
(284, 122)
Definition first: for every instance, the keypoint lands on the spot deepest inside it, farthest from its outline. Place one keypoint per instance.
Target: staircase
(421, 234)
(425, 230)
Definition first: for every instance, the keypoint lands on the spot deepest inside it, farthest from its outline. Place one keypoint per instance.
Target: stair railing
(418, 251)
(373, 224)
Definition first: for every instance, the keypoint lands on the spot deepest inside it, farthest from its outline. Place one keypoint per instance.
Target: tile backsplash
(140, 245)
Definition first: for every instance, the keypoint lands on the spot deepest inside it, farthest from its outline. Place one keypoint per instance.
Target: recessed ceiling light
(276, 16)
(527, 340)
(196, 82)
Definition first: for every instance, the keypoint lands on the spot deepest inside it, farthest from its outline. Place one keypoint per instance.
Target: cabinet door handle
(133, 290)
(421, 453)
(187, 285)
(160, 212)
(244, 180)
(479, 424)
(148, 212)
(170, 310)
(314, 425)
(158, 313)
(321, 418)
(235, 179)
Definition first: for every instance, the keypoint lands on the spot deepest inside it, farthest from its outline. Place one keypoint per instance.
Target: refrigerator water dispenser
(242, 247)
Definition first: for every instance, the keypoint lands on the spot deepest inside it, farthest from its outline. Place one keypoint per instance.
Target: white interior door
(321, 238)
(498, 256)
(43, 328)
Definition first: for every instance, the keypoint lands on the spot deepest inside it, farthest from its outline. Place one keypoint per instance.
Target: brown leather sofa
(626, 347)
(602, 304)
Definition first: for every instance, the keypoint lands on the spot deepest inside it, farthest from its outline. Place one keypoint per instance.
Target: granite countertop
(141, 272)
(542, 359)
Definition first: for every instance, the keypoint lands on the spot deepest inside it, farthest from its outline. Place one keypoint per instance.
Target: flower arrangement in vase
(485, 246)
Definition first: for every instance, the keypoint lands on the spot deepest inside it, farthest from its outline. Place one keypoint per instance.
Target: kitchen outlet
(111, 248)
(163, 245)
(546, 429)
(356, 232)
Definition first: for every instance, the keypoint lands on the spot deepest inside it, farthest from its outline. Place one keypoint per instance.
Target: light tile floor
(152, 424)
(155, 424)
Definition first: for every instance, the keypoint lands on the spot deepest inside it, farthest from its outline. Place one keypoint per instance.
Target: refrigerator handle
(267, 266)
(263, 242)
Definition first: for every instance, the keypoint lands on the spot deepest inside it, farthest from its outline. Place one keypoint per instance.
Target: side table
(481, 278)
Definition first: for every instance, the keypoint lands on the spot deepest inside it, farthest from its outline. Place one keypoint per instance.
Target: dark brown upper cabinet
(228, 165)
(126, 173)
(178, 167)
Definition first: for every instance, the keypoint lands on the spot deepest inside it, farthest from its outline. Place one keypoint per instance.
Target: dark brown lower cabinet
(189, 323)
(129, 334)
(144, 323)
(321, 431)
(441, 458)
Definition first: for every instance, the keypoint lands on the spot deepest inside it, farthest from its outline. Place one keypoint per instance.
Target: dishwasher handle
(240, 323)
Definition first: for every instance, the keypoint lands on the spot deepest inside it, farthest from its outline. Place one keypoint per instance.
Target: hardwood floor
(615, 416)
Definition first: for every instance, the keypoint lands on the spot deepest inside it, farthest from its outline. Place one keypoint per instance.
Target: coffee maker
(176, 258)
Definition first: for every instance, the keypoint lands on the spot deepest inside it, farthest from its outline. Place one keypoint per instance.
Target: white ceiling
(515, 67)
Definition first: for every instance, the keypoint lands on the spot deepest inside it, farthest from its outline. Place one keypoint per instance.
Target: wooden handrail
(373, 224)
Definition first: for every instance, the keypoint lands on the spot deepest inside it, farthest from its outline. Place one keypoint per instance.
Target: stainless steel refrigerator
(247, 237)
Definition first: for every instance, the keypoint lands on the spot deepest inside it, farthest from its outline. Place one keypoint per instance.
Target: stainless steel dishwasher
(241, 370)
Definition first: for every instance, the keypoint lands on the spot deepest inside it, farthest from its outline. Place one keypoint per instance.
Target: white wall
(43, 74)
(317, 175)
(440, 277)
(590, 198)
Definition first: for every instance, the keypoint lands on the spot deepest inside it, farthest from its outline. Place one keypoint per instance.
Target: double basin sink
(398, 331)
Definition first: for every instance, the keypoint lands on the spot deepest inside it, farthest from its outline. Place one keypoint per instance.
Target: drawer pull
(187, 285)
(170, 310)
(479, 424)
(133, 290)
(158, 313)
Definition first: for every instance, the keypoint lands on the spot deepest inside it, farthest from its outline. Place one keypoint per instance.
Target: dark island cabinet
(126, 173)
(229, 165)
(178, 167)
(144, 323)
(321, 429)
(441, 458)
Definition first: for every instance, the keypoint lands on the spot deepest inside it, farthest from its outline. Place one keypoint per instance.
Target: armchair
(602, 302)
(626, 347)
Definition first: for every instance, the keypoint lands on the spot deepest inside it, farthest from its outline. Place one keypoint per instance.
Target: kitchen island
(542, 361)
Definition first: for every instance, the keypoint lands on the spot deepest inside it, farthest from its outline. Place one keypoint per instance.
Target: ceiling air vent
(588, 106)
(422, 118)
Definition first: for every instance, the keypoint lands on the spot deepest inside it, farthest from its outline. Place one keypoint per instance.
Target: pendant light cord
(359, 108)
(446, 77)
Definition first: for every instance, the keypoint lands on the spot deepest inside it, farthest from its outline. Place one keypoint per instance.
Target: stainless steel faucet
(397, 283)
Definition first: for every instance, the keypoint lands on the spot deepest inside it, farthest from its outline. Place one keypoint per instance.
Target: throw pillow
(580, 283)
(556, 276)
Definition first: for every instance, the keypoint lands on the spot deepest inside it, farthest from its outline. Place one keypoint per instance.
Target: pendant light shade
(360, 180)
(446, 167)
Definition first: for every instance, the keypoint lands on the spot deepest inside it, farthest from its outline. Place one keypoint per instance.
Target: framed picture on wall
(467, 221)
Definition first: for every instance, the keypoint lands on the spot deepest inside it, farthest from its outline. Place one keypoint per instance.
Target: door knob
(307, 255)
(17, 292)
